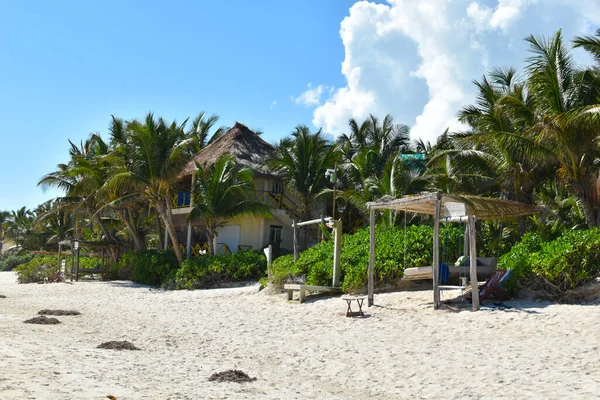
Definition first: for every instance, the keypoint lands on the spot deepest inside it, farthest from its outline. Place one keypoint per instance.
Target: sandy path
(309, 351)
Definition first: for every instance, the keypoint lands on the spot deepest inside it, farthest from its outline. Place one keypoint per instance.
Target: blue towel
(444, 272)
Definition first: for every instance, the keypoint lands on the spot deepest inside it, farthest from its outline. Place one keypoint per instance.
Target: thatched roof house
(249, 149)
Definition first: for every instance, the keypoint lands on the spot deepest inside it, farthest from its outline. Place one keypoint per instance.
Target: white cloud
(416, 59)
(273, 104)
(481, 15)
(312, 96)
(506, 13)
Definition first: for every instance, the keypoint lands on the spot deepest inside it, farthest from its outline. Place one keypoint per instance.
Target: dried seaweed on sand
(118, 345)
(42, 320)
(231, 375)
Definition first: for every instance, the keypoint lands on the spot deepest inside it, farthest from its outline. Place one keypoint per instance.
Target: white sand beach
(403, 349)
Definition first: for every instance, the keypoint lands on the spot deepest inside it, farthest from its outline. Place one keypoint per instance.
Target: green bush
(569, 261)
(316, 263)
(209, 271)
(8, 263)
(42, 267)
(37, 269)
(148, 267)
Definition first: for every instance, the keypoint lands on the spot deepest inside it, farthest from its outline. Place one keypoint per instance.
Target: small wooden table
(359, 301)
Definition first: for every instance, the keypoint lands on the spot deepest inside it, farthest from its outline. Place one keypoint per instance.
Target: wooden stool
(359, 301)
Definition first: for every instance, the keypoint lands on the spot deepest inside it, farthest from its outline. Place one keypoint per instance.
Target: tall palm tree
(201, 131)
(372, 162)
(155, 153)
(83, 180)
(301, 161)
(561, 93)
(224, 191)
(499, 137)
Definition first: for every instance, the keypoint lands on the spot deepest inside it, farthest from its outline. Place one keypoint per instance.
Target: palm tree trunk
(210, 238)
(588, 210)
(138, 241)
(159, 231)
(109, 237)
(164, 211)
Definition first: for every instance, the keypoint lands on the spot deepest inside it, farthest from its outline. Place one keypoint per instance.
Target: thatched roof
(249, 149)
(481, 207)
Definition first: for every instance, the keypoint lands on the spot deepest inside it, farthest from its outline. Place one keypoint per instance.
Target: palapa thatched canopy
(480, 207)
(249, 149)
(445, 208)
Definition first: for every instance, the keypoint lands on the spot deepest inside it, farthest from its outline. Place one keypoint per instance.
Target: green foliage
(38, 269)
(148, 267)
(316, 263)
(208, 271)
(569, 261)
(9, 262)
(42, 267)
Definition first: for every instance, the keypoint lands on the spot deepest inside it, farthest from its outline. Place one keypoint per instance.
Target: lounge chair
(494, 286)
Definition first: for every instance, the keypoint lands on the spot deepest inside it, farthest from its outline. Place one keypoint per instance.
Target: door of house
(229, 235)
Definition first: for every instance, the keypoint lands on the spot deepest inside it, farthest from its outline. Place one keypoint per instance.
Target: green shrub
(316, 263)
(37, 269)
(8, 263)
(569, 261)
(148, 267)
(209, 271)
(42, 267)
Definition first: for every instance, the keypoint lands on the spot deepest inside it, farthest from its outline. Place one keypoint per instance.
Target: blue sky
(66, 66)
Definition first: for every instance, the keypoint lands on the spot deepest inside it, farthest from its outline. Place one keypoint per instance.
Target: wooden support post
(302, 294)
(296, 256)
(337, 251)
(77, 266)
(436, 254)
(473, 263)
(188, 249)
(72, 260)
(59, 263)
(269, 260)
(466, 240)
(371, 288)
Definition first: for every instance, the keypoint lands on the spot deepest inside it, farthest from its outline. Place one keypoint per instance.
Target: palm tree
(201, 131)
(301, 161)
(561, 94)
(4, 215)
(83, 180)
(54, 222)
(499, 140)
(590, 43)
(373, 164)
(221, 192)
(400, 176)
(20, 225)
(154, 153)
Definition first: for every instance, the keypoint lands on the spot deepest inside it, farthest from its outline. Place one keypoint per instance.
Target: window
(275, 235)
(183, 199)
(277, 187)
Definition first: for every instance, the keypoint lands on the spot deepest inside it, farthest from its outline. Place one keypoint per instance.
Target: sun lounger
(494, 287)
(485, 267)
